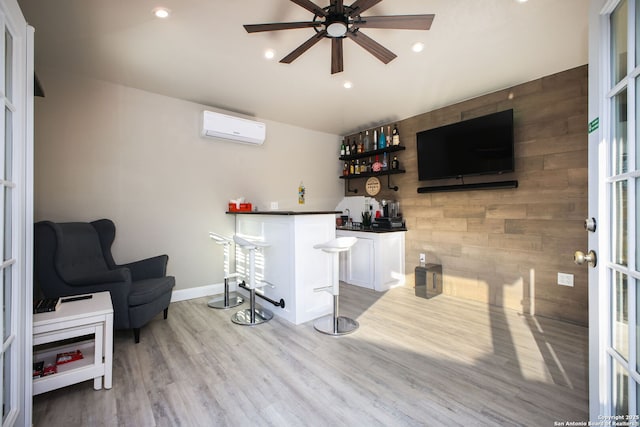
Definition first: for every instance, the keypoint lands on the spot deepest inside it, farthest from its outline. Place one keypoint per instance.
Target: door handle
(590, 258)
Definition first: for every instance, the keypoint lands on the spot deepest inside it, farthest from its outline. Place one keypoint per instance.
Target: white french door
(16, 185)
(614, 201)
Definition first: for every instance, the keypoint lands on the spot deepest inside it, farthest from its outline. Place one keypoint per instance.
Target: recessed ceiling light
(347, 84)
(521, 1)
(269, 53)
(161, 12)
(417, 47)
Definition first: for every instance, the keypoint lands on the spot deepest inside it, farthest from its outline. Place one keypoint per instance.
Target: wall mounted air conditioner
(217, 125)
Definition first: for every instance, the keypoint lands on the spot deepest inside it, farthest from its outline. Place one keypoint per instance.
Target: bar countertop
(371, 229)
(283, 212)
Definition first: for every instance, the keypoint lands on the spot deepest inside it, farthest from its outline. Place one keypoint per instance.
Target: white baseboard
(199, 291)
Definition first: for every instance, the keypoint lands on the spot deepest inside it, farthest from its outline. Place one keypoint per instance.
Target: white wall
(107, 151)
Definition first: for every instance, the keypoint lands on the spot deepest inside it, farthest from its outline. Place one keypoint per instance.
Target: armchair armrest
(148, 268)
(102, 277)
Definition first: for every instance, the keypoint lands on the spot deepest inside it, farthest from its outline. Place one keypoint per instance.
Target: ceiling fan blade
(336, 55)
(360, 6)
(303, 47)
(372, 46)
(397, 22)
(338, 5)
(256, 28)
(311, 7)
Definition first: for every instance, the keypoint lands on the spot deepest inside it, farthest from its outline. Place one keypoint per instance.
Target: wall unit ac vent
(217, 125)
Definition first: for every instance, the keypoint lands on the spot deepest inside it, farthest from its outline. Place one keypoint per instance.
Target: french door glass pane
(620, 315)
(619, 42)
(8, 148)
(8, 252)
(8, 64)
(619, 145)
(620, 389)
(637, 223)
(619, 223)
(6, 302)
(6, 381)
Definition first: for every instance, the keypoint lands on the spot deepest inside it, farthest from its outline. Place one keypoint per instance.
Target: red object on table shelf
(243, 207)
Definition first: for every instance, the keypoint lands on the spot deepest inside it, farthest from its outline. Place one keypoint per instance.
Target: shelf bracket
(395, 187)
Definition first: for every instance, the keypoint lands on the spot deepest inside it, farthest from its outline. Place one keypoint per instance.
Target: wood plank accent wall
(505, 247)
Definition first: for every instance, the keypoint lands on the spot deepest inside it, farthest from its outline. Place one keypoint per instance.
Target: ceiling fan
(339, 21)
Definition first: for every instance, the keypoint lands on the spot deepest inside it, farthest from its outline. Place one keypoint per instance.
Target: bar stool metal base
(243, 317)
(219, 301)
(227, 299)
(332, 326)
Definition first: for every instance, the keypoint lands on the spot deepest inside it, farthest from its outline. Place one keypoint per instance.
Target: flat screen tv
(479, 146)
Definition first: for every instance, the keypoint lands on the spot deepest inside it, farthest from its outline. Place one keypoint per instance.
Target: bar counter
(290, 262)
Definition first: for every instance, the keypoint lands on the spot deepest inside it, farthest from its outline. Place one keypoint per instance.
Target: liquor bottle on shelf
(374, 143)
(343, 150)
(384, 162)
(395, 139)
(357, 167)
(345, 169)
(347, 149)
(377, 166)
(352, 167)
(382, 141)
(395, 164)
(367, 141)
(389, 136)
(354, 147)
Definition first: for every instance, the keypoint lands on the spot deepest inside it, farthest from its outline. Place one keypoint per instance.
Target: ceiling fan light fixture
(337, 29)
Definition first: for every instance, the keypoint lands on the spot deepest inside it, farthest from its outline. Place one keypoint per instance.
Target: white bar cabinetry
(376, 261)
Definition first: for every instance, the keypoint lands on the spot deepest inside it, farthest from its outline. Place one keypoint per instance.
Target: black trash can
(428, 280)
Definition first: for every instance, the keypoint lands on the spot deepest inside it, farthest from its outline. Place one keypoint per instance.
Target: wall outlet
(274, 206)
(565, 279)
(423, 258)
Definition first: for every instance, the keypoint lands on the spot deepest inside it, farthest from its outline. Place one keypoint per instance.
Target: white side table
(92, 316)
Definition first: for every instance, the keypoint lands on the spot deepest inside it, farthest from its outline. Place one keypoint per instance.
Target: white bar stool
(253, 315)
(227, 300)
(334, 324)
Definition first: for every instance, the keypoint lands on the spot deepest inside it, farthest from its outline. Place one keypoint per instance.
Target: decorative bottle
(377, 166)
(395, 164)
(301, 191)
(382, 141)
(395, 139)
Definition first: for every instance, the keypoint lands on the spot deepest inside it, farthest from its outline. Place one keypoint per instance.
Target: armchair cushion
(78, 252)
(147, 290)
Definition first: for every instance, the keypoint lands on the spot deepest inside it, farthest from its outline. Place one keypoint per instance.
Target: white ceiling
(203, 54)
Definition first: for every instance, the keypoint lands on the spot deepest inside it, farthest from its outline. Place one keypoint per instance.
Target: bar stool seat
(228, 299)
(334, 324)
(254, 315)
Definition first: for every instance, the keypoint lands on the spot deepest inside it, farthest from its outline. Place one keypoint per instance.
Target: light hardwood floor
(414, 362)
